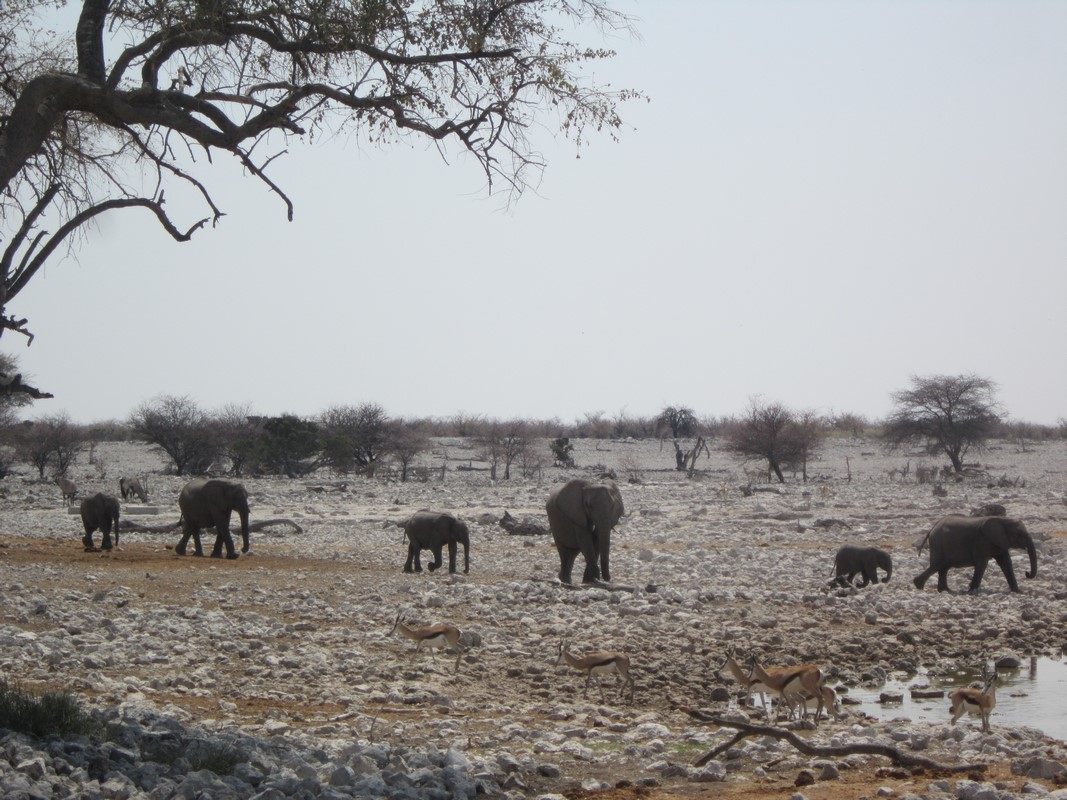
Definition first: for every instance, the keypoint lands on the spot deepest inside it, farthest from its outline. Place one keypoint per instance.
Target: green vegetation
(44, 714)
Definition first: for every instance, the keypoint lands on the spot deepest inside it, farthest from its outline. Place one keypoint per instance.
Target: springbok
(600, 663)
(974, 700)
(68, 487)
(803, 679)
(433, 636)
(806, 703)
(750, 683)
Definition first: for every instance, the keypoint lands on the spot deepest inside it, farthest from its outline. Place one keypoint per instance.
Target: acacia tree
(679, 419)
(179, 429)
(777, 434)
(146, 95)
(948, 414)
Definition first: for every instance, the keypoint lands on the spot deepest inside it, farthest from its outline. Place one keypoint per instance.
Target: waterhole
(1034, 695)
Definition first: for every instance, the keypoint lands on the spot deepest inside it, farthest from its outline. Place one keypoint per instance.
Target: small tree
(561, 451)
(404, 441)
(50, 441)
(767, 430)
(353, 437)
(503, 443)
(945, 414)
(287, 442)
(238, 431)
(679, 420)
(179, 429)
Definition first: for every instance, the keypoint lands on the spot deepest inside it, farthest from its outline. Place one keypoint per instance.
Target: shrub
(42, 715)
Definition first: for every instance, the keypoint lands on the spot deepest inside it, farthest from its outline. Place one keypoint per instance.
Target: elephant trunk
(466, 554)
(888, 569)
(243, 513)
(605, 549)
(1032, 550)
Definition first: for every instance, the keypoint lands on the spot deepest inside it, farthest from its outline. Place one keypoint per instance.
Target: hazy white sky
(820, 200)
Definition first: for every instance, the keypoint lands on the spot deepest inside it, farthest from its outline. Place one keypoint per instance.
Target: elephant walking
(959, 541)
(851, 560)
(101, 512)
(208, 503)
(581, 514)
(432, 530)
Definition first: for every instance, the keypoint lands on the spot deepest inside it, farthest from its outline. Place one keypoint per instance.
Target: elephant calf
(100, 511)
(432, 530)
(851, 560)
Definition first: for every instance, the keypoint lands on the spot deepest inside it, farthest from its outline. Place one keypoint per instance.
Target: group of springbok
(592, 664)
(798, 688)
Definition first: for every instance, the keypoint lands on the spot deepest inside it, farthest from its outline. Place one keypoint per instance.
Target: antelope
(68, 487)
(748, 681)
(974, 700)
(806, 679)
(601, 663)
(433, 637)
(829, 700)
(134, 486)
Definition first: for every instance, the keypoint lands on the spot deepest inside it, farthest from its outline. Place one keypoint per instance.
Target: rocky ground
(284, 660)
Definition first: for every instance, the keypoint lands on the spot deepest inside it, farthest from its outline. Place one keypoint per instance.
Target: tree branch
(745, 729)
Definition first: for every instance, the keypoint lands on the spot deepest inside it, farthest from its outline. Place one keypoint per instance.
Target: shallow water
(1034, 695)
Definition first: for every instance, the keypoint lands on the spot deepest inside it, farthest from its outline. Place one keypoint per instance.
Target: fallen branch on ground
(129, 527)
(745, 730)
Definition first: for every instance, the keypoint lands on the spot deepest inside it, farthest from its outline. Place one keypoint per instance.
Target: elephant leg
(436, 558)
(87, 542)
(418, 559)
(566, 563)
(223, 537)
(105, 540)
(592, 563)
(979, 571)
(942, 579)
(183, 542)
(413, 555)
(924, 576)
(1004, 560)
(452, 556)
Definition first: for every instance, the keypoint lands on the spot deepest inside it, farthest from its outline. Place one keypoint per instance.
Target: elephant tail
(925, 539)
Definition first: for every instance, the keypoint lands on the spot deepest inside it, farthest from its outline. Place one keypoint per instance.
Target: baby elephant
(100, 511)
(852, 560)
(433, 530)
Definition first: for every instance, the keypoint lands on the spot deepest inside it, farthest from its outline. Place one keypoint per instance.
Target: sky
(818, 201)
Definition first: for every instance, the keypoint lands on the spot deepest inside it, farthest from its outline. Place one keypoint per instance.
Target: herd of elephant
(204, 503)
(582, 514)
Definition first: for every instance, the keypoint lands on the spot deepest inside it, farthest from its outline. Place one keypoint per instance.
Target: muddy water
(1034, 695)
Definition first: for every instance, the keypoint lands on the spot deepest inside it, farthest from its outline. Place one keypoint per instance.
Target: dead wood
(258, 526)
(745, 730)
(129, 527)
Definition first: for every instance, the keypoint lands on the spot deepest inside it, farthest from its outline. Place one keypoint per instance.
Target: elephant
(581, 514)
(206, 503)
(959, 541)
(432, 530)
(851, 560)
(100, 511)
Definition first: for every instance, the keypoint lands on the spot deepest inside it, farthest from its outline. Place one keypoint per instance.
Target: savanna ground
(294, 637)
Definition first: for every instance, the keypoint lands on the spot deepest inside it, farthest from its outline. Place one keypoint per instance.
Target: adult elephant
(851, 561)
(959, 541)
(208, 503)
(101, 512)
(432, 530)
(581, 514)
